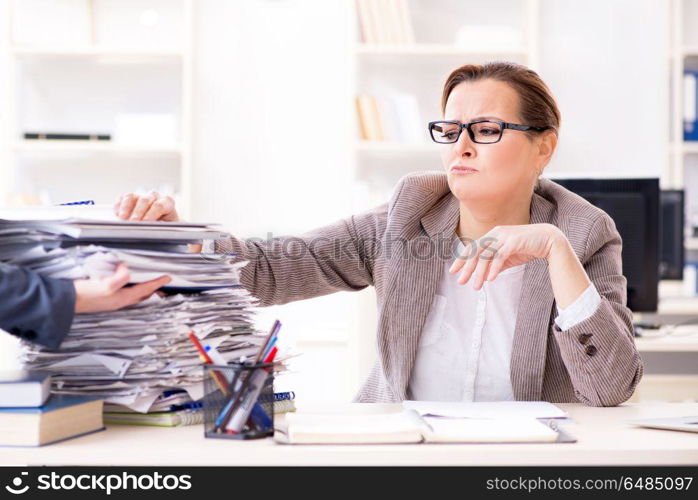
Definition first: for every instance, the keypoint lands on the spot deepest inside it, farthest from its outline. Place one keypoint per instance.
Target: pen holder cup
(238, 401)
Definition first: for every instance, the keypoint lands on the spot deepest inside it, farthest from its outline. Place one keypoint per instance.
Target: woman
(544, 314)
(41, 309)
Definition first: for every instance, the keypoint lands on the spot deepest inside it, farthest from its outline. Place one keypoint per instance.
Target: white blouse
(464, 351)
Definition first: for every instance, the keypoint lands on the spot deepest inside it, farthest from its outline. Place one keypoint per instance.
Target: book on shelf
(385, 22)
(61, 417)
(369, 118)
(690, 105)
(391, 117)
(59, 136)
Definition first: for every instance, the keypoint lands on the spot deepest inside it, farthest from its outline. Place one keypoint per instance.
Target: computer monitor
(672, 222)
(633, 204)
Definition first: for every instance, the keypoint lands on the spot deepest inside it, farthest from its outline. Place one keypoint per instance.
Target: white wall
(271, 107)
(271, 131)
(607, 64)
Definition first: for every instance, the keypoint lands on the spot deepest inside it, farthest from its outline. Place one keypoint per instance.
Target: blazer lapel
(416, 268)
(533, 318)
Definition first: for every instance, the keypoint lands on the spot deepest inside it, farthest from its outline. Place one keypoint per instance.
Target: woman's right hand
(147, 207)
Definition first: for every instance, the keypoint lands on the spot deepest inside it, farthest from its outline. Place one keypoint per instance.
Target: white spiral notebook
(408, 426)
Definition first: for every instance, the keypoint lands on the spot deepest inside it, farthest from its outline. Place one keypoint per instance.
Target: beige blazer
(400, 247)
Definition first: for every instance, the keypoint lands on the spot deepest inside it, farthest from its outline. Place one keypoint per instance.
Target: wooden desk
(603, 439)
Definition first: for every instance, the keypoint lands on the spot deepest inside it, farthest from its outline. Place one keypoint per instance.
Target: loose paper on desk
(495, 409)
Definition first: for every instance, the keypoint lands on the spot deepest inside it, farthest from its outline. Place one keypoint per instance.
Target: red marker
(271, 355)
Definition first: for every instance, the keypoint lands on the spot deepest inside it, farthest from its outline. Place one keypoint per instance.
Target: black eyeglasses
(480, 131)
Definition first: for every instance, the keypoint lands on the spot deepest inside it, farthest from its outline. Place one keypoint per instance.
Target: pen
(203, 355)
(272, 333)
(83, 202)
(214, 355)
(271, 355)
(269, 347)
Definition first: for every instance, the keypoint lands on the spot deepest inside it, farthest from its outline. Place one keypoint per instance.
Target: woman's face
(504, 169)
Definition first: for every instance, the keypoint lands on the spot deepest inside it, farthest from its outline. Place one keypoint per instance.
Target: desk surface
(603, 439)
(669, 339)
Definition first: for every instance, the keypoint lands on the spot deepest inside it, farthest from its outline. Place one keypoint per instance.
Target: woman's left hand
(504, 247)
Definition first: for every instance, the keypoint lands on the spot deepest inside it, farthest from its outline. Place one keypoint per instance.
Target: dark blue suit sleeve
(34, 307)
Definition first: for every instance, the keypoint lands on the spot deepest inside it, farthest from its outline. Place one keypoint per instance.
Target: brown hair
(536, 102)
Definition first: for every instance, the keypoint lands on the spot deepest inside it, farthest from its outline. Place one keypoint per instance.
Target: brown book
(361, 118)
(375, 120)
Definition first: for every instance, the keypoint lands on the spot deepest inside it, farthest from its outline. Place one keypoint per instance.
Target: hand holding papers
(108, 294)
(131, 355)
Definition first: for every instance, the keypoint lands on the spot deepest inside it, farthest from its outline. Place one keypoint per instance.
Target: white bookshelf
(682, 167)
(147, 70)
(420, 68)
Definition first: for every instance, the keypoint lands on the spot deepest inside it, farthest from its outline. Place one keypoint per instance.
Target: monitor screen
(672, 255)
(633, 204)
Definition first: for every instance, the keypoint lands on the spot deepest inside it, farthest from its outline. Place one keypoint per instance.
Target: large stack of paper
(130, 356)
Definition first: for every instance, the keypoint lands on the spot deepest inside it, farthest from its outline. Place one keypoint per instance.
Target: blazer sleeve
(599, 352)
(333, 258)
(34, 307)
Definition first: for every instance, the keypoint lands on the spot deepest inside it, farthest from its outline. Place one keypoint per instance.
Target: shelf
(95, 51)
(434, 50)
(396, 147)
(31, 146)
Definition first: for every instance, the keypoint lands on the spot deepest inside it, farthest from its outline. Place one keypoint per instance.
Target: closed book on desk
(62, 417)
(174, 418)
(407, 427)
(24, 388)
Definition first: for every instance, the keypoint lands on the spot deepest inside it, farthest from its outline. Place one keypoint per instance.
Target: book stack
(130, 356)
(392, 117)
(690, 105)
(385, 22)
(30, 416)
